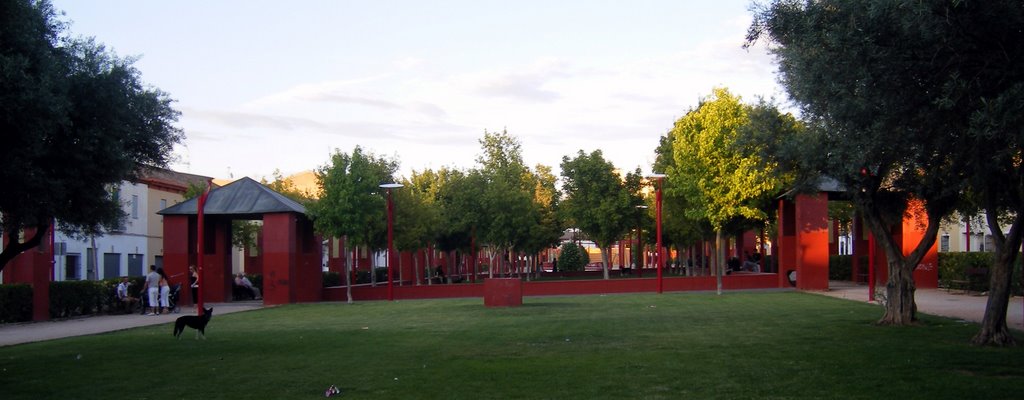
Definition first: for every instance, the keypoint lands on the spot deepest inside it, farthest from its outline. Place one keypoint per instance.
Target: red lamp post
(387, 261)
(657, 201)
(200, 246)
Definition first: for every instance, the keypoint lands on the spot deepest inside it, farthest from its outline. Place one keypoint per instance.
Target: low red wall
(551, 288)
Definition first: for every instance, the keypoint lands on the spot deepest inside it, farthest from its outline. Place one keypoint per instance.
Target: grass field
(736, 346)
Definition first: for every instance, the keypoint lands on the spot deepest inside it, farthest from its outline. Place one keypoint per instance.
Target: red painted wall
(926, 274)
(179, 249)
(279, 242)
(35, 267)
(645, 285)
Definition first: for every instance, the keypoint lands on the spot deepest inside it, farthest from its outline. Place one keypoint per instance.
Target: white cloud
(432, 117)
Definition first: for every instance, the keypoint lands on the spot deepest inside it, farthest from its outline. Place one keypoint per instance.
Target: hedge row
(956, 266)
(15, 303)
(75, 298)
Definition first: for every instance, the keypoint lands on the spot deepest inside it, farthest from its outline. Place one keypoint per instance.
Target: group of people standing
(158, 291)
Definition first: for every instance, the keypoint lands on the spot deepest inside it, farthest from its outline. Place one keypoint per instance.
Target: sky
(272, 85)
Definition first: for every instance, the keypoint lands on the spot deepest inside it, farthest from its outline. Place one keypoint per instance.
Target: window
(72, 266)
(990, 243)
(135, 206)
(111, 265)
(135, 264)
(944, 243)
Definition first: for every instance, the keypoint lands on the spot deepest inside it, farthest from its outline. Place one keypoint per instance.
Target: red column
(391, 250)
(661, 256)
(785, 246)
(279, 247)
(812, 247)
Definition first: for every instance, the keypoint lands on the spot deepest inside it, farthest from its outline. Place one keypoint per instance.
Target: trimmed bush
(331, 278)
(840, 267)
(73, 298)
(15, 303)
(955, 267)
(572, 257)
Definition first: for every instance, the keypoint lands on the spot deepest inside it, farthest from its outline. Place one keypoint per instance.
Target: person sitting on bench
(242, 282)
(123, 298)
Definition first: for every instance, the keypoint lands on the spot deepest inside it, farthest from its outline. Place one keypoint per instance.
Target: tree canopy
(598, 200)
(351, 203)
(888, 89)
(77, 121)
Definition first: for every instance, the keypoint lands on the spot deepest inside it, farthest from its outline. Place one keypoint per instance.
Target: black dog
(195, 322)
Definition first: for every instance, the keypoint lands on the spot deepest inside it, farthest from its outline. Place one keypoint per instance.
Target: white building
(139, 243)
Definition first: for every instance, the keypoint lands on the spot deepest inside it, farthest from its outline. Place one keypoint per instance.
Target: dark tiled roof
(244, 197)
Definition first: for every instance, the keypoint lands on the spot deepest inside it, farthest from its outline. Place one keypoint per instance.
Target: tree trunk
(993, 326)
(490, 268)
(900, 308)
(719, 250)
(416, 269)
(348, 273)
(604, 260)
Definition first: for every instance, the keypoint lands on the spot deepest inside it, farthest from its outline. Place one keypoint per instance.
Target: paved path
(968, 307)
(11, 334)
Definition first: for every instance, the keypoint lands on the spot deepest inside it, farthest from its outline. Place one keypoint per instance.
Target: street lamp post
(661, 256)
(640, 244)
(387, 261)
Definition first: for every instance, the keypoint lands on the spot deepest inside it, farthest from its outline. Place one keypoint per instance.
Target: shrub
(15, 303)
(332, 278)
(954, 267)
(840, 267)
(572, 257)
(72, 298)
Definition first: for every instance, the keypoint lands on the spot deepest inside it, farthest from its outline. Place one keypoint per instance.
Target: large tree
(880, 87)
(351, 203)
(992, 52)
(545, 228)
(417, 215)
(724, 183)
(507, 197)
(597, 200)
(76, 121)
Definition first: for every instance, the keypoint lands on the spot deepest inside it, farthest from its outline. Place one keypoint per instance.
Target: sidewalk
(968, 307)
(27, 332)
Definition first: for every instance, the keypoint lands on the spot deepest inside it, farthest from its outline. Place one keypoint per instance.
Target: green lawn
(739, 345)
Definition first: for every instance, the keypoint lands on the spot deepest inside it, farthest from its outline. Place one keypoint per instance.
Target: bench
(974, 280)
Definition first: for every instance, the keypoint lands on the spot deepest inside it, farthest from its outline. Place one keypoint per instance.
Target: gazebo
(290, 250)
(805, 241)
